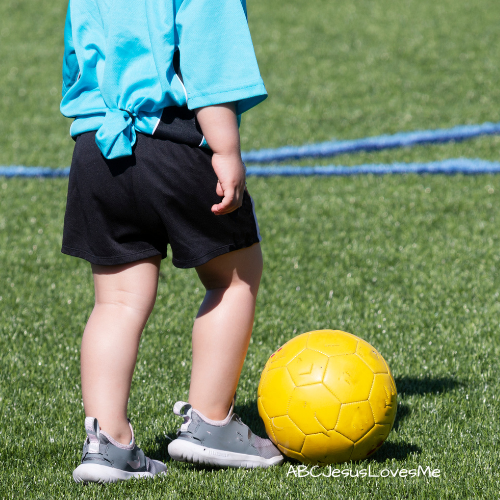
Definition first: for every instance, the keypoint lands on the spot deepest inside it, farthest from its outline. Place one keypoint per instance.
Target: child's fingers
(229, 203)
(226, 206)
(219, 190)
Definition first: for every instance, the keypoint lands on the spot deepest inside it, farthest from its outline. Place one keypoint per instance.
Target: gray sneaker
(104, 460)
(223, 443)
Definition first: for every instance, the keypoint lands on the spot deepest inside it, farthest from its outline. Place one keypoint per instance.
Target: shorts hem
(187, 264)
(111, 261)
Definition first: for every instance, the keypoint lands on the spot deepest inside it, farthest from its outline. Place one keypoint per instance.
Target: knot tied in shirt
(116, 135)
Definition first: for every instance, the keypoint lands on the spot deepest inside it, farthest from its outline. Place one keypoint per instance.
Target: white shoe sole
(95, 473)
(184, 451)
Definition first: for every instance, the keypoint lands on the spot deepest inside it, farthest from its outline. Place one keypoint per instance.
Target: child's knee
(141, 303)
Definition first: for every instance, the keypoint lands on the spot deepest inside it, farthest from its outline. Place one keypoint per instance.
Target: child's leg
(124, 299)
(222, 329)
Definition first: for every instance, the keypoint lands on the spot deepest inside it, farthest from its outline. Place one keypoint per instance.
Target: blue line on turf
(20, 171)
(448, 167)
(378, 143)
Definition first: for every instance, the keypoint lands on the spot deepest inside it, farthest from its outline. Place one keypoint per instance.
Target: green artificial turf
(408, 263)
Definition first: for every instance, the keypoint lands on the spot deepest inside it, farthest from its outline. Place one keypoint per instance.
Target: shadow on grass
(402, 413)
(399, 451)
(161, 449)
(250, 415)
(427, 385)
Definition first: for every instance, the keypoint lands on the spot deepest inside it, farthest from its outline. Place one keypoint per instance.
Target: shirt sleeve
(70, 70)
(217, 58)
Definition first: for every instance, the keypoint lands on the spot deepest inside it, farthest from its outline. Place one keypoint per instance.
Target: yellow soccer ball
(326, 397)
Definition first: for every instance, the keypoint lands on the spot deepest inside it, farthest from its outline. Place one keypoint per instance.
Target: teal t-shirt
(118, 71)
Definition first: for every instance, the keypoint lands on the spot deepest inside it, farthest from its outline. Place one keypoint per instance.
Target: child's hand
(220, 128)
(230, 171)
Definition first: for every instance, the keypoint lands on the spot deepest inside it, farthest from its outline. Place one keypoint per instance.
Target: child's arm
(220, 128)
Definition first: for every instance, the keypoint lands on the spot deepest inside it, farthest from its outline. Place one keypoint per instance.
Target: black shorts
(131, 208)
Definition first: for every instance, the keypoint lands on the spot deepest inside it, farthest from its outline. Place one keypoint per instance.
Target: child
(156, 88)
